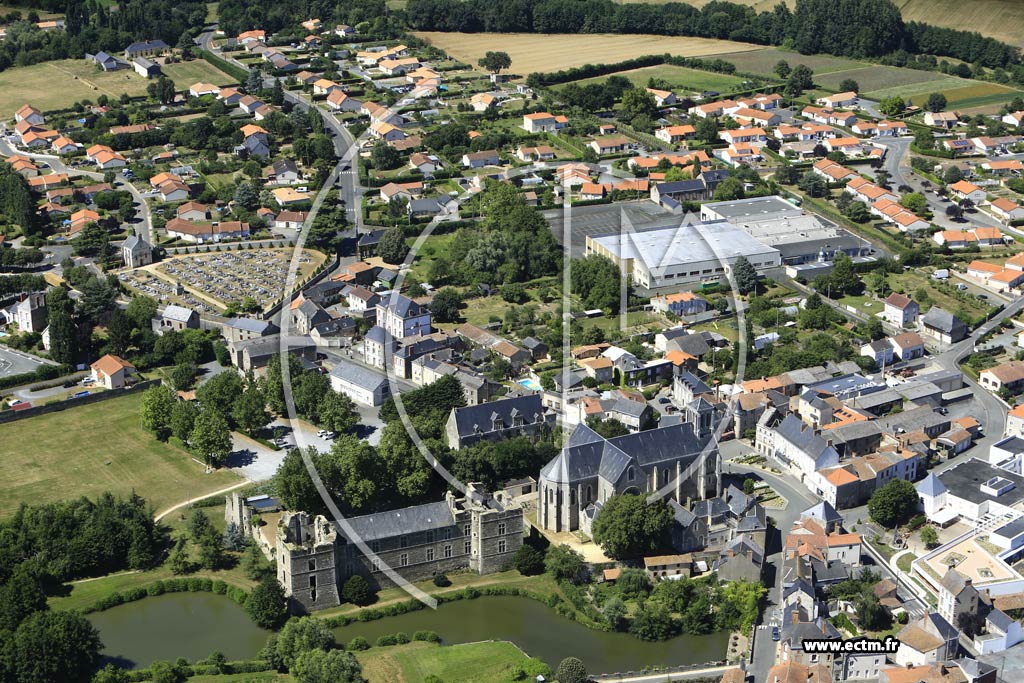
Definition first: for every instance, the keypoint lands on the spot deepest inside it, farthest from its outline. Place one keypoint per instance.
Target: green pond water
(192, 625)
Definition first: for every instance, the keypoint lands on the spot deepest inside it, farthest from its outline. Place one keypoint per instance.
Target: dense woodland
(853, 28)
(236, 16)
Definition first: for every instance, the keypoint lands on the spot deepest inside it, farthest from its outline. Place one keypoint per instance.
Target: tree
(894, 503)
(211, 437)
(250, 410)
(614, 612)
(915, 203)
(609, 428)
(782, 69)
(528, 561)
(218, 394)
(952, 174)
(745, 275)
(799, 80)
(338, 413)
(302, 635)
(157, 410)
(53, 646)
(392, 247)
(787, 174)
(563, 563)
(246, 196)
(63, 331)
(266, 604)
(653, 622)
(571, 670)
(929, 536)
(183, 376)
(385, 157)
(20, 597)
(495, 61)
(628, 526)
(892, 106)
(936, 102)
(211, 550)
(813, 184)
(848, 84)
(706, 129)
(294, 485)
(334, 666)
(729, 190)
(637, 102)
(357, 591)
(178, 561)
(198, 525)
(183, 419)
(119, 332)
(444, 307)
(141, 310)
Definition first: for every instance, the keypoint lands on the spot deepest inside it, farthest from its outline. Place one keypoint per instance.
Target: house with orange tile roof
(592, 191)
(543, 122)
(663, 98)
(1006, 209)
(680, 303)
(673, 135)
(833, 172)
(1015, 418)
(112, 372)
(967, 190)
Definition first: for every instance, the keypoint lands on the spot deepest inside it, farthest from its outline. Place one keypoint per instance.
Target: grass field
(536, 52)
(1002, 19)
(680, 78)
(762, 61)
(875, 78)
(43, 14)
(90, 449)
(975, 95)
(486, 662)
(56, 85)
(185, 74)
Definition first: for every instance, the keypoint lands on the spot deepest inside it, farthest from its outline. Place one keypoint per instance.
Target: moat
(192, 625)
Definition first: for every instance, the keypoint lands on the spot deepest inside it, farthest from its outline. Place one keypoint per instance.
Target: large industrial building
(800, 236)
(682, 254)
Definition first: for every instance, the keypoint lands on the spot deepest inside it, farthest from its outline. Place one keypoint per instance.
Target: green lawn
(678, 77)
(486, 662)
(185, 74)
(61, 83)
(763, 61)
(904, 562)
(89, 449)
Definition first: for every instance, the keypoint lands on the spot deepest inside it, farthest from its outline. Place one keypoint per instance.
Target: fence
(12, 415)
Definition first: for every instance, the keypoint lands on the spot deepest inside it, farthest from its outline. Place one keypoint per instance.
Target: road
(57, 165)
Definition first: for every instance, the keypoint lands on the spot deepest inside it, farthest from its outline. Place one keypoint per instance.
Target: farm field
(872, 79)
(485, 662)
(762, 61)
(185, 74)
(59, 84)
(679, 77)
(1001, 19)
(89, 449)
(535, 52)
(975, 96)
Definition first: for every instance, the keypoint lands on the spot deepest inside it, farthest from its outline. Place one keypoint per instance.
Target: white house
(360, 384)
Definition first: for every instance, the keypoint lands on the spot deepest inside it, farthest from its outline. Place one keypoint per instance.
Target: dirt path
(228, 489)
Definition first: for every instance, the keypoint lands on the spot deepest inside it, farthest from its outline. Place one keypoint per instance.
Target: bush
(357, 591)
(387, 639)
(358, 644)
(426, 636)
(528, 561)
(441, 581)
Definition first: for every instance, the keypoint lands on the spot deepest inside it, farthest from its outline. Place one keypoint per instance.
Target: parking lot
(16, 363)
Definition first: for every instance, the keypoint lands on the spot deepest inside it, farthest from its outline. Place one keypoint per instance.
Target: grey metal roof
(380, 525)
(376, 334)
(931, 486)
(359, 376)
(402, 306)
(823, 512)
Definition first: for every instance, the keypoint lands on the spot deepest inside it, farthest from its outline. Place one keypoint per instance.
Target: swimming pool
(530, 384)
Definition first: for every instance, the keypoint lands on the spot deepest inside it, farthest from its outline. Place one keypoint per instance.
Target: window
(403, 541)
(630, 475)
(501, 528)
(448, 550)
(430, 536)
(312, 581)
(469, 548)
(446, 534)
(430, 554)
(403, 560)
(375, 564)
(465, 529)
(312, 565)
(375, 546)
(501, 546)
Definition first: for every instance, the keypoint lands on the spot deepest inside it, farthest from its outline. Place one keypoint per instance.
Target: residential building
(360, 384)
(402, 317)
(498, 420)
(943, 326)
(113, 372)
(900, 310)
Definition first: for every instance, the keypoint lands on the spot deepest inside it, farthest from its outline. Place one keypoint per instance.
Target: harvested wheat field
(545, 52)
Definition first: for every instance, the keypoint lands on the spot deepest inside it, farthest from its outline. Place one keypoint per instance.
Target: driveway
(253, 460)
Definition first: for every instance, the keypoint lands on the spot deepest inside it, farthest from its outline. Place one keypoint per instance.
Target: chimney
(795, 616)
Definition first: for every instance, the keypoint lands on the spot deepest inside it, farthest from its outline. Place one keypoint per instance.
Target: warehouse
(682, 254)
(800, 236)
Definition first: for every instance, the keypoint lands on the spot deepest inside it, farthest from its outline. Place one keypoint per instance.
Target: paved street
(13, 362)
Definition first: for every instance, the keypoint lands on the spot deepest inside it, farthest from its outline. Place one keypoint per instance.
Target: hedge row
(183, 585)
(43, 372)
(251, 666)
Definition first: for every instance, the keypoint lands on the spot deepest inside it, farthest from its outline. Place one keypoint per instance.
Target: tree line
(852, 28)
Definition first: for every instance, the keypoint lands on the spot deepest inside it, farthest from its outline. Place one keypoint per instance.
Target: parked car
(775, 633)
